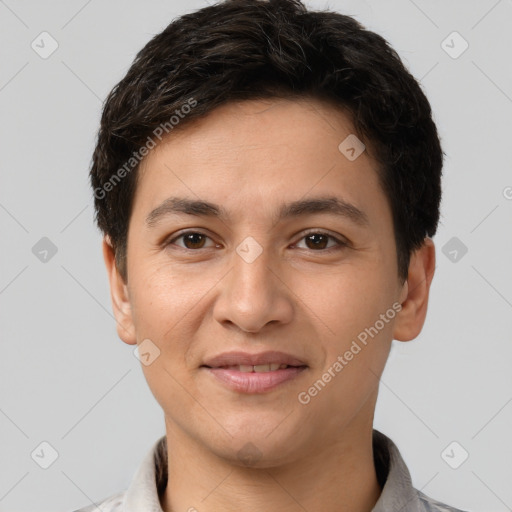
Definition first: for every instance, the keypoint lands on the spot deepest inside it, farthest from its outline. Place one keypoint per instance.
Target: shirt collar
(397, 493)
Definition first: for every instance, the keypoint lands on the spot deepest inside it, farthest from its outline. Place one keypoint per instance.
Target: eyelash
(340, 243)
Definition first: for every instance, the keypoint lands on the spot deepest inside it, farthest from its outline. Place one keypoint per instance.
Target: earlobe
(119, 295)
(411, 318)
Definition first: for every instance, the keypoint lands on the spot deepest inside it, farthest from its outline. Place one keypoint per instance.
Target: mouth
(257, 360)
(254, 373)
(257, 368)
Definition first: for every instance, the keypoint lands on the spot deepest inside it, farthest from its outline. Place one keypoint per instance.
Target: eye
(315, 240)
(191, 240)
(318, 241)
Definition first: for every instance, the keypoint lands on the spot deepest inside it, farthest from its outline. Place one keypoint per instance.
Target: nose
(254, 293)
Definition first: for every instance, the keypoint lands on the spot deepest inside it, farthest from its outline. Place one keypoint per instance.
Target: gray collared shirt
(398, 494)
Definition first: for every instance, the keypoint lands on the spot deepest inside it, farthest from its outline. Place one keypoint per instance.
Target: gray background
(68, 380)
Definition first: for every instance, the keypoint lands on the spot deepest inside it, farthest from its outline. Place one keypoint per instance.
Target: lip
(253, 382)
(245, 358)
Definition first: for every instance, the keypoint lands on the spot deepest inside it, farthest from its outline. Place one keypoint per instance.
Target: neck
(337, 477)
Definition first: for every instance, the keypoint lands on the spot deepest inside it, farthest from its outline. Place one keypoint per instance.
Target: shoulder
(113, 503)
(431, 505)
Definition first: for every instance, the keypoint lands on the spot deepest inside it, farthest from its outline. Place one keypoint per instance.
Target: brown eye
(192, 240)
(318, 241)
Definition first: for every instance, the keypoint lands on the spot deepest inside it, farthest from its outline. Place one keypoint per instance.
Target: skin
(194, 303)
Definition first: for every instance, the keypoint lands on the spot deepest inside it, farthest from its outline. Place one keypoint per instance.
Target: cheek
(357, 317)
(165, 305)
(345, 302)
(170, 389)
(162, 297)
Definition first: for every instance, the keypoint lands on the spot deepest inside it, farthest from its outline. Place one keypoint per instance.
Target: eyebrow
(329, 204)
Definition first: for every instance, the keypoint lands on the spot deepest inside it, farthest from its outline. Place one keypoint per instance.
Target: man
(268, 180)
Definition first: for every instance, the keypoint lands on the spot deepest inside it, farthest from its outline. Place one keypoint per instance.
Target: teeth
(262, 368)
(259, 368)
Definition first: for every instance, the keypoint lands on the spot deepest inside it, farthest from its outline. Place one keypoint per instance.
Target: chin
(260, 442)
(257, 454)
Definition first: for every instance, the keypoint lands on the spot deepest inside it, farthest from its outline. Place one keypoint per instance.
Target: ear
(119, 296)
(411, 318)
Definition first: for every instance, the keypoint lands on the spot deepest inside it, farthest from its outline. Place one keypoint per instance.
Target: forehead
(260, 124)
(256, 154)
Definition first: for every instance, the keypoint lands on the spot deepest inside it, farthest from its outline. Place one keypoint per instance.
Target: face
(257, 280)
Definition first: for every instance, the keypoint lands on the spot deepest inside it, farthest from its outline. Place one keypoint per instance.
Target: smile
(258, 368)
(254, 379)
